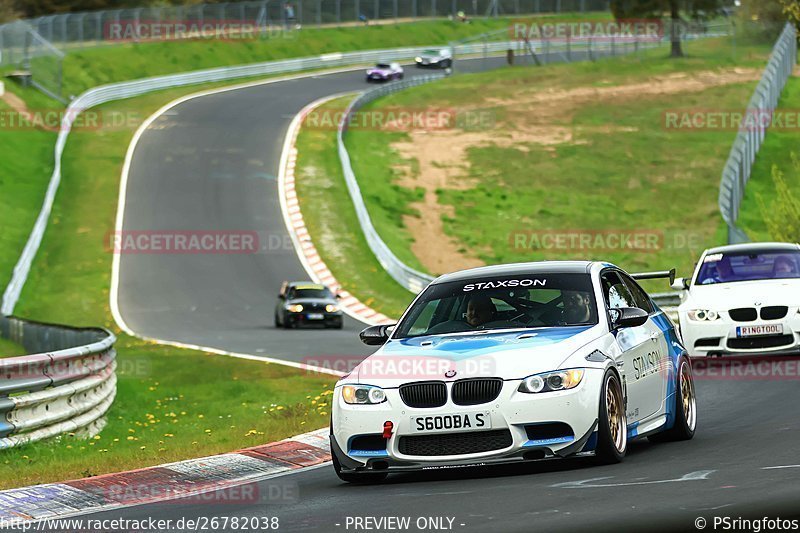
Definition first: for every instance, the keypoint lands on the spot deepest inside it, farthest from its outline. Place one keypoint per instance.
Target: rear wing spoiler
(662, 274)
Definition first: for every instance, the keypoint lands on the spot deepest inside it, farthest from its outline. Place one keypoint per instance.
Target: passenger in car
(480, 310)
(577, 307)
(784, 267)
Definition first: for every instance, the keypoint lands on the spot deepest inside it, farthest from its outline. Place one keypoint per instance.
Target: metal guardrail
(117, 91)
(67, 386)
(406, 276)
(69, 31)
(751, 135)
(412, 279)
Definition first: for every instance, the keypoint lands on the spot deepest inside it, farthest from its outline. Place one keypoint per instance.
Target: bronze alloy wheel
(688, 397)
(617, 425)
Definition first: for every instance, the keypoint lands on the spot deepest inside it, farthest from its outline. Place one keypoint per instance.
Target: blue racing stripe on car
(465, 346)
(674, 351)
(549, 442)
(368, 453)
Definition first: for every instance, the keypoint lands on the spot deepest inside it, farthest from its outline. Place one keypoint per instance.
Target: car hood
(724, 296)
(509, 355)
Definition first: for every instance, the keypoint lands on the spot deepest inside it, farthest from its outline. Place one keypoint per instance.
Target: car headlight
(295, 308)
(330, 308)
(552, 381)
(418, 59)
(703, 315)
(363, 394)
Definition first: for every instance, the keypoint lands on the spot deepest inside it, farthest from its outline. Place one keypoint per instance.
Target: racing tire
(612, 433)
(685, 407)
(357, 478)
(400, 76)
(277, 322)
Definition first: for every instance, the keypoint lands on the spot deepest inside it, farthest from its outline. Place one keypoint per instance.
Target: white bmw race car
(743, 299)
(514, 363)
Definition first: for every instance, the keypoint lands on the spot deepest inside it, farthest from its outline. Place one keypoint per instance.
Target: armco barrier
(67, 386)
(749, 139)
(412, 279)
(118, 91)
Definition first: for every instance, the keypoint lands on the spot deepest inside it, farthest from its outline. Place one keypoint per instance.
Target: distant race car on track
(385, 71)
(304, 303)
(437, 58)
(514, 363)
(742, 299)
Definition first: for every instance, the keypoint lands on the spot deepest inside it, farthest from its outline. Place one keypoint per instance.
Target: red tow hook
(387, 429)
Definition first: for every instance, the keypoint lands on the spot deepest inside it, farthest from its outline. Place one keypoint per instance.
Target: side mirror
(338, 296)
(281, 296)
(680, 284)
(375, 335)
(627, 317)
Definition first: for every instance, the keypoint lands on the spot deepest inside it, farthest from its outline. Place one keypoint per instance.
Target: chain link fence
(544, 51)
(751, 135)
(80, 30)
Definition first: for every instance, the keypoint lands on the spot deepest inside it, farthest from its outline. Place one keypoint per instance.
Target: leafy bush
(782, 216)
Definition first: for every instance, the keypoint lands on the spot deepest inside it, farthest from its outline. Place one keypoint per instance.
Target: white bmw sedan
(742, 299)
(514, 363)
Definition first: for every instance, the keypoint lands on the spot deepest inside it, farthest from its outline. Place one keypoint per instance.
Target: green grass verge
(171, 403)
(10, 349)
(331, 220)
(623, 169)
(776, 151)
(88, 68)
(25, 169)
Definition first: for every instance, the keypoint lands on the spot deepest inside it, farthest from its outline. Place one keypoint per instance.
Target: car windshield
(296, 293)
(382, 65)
(749, 266)
(498, 303)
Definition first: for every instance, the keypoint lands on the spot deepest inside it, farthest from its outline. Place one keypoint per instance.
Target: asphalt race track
(743, 428)
(210, 164)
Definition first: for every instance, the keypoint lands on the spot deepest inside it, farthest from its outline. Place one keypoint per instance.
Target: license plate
(757, 331)
(459, 422)
(315, 316)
